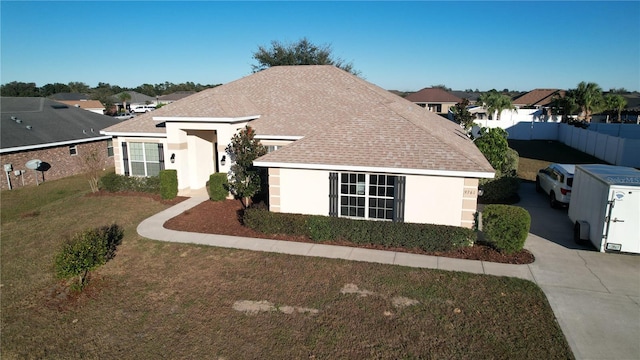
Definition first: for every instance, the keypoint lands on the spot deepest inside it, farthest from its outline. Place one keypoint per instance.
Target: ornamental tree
(245, 179)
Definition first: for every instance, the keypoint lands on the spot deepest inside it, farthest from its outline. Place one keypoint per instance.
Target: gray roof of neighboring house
(39, 122)
(69, 96)
(472, 96)
(176, 95)
(136, 98)
(344, 121)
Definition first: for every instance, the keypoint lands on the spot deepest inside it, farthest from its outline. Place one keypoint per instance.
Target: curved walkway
(595, 296)
(152, 228)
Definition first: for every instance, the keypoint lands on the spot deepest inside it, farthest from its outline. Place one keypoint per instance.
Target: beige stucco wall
(299, 191)
(428, 199)
(433, 200)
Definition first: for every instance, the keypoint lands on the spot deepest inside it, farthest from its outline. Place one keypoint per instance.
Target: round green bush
(218, 186)
(506, 226)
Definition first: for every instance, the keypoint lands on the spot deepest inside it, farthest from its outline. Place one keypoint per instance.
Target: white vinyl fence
(617, 144)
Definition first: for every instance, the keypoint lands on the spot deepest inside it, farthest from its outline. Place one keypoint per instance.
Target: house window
(435, 107)
(110, 147)
(73, 150)
(371, 196)
(144, 159)
(272, 148)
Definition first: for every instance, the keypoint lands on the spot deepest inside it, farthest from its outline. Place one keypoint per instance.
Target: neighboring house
(537, 98)
(58, 135)
(90, 105)
(435, 100)
(339, 146)
(136, 99)
(533, 106)
(169, 98)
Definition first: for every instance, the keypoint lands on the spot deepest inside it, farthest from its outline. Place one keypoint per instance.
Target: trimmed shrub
(506, 227)
(427, 237)
(218, 186)
(113, 182)
(86, 251)
(268, 222)
(168, 184)
(503, 190)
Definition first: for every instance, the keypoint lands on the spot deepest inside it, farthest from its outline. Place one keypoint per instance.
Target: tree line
(22, 89)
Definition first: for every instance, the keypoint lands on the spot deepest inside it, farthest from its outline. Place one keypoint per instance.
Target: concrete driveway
(595, 296)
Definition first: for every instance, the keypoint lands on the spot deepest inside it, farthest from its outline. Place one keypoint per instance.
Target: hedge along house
(338, 146)
(59, 135)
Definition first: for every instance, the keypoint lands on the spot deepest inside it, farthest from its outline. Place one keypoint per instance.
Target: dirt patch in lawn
(223, 218)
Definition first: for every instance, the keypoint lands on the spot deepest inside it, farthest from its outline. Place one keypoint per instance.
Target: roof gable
(433, 95)
(537, 97)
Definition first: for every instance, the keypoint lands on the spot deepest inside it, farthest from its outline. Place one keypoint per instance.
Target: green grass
(538, 154)
(165, 300)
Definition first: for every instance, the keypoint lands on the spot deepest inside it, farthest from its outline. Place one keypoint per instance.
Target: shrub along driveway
(595, 296)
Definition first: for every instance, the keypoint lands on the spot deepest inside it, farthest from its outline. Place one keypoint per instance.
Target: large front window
(367, 196)
(144, 159)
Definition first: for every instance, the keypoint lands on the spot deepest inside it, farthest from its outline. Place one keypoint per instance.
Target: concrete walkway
(595, 296)
(152, 228)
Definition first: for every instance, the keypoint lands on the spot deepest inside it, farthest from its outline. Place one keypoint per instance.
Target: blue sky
(395, 45)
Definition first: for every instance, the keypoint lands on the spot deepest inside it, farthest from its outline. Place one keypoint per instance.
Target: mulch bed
(223, 217)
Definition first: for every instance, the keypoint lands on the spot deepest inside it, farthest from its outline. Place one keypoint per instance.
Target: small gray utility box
(605, 207)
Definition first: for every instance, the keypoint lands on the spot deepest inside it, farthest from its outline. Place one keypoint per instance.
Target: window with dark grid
(352, 195)
(381, 190)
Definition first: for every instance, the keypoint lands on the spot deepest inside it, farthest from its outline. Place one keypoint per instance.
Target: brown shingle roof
(433, 95)
(540, 97)
(345, 121)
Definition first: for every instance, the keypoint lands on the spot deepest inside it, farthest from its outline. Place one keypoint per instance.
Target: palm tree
(124, 96)
(493, 102)
(588, 96)
(615, 102)
(564, 105)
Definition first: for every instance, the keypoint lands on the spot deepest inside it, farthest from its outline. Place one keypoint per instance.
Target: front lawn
(164, 300)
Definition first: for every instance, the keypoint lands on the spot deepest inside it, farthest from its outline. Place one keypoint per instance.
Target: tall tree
(494, 146)
(615, 102)
(302, 52)
(588, 96)
(20, 89)
(78, 87)
(50, 89)
(245, 179)
(462, 115)
(564, 105)
(494, 102)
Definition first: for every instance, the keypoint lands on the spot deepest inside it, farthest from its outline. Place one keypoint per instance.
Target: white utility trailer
(605, 207)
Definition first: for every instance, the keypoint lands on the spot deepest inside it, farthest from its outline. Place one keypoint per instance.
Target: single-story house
(338, 146)
(135, 100)
(435, 100)
(57, 134)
